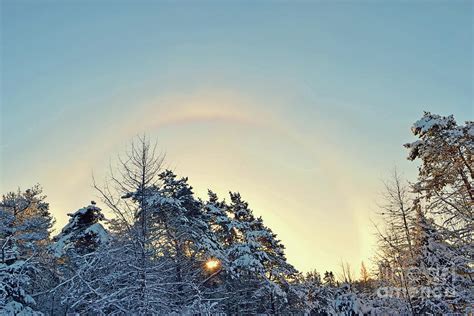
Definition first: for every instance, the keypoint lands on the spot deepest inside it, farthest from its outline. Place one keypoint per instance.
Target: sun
(212, 264)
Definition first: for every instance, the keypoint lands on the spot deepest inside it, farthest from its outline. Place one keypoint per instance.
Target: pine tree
(319, 296)
(443, 225)
(246, 257)
(256, 257)
(186, 236)
(446, 175)
(278, 272)
(83, 234)
(25, 222)
(329, 279)
(223, 280)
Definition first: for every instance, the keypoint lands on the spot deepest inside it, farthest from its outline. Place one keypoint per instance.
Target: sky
(302, 106)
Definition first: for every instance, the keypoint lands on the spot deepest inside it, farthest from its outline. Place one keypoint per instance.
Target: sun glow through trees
(212, 264)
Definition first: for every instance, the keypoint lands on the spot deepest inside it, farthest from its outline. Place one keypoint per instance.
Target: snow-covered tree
(329, 279)
(108, 282)
(395, 251)
(162, 229)
(444, 208)
(255, 257)
(25, 222)
(83, 234)
(134, 262)
(15, 289)
(184, 235)
(440, 274)
(446, 174)
(348, 303)
(319, 297)
(278, 272)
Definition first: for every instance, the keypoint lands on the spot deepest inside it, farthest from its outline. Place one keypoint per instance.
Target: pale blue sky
(301, 105)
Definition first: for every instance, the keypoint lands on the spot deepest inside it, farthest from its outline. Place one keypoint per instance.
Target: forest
(165, 251)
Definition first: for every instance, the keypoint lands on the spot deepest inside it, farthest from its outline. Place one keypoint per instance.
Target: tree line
(165, 251)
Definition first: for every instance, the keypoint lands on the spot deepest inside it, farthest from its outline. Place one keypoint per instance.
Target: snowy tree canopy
(165, 251)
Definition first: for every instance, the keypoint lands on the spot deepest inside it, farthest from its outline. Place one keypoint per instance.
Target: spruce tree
(25, 224)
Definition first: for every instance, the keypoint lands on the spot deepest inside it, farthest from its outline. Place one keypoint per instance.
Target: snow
(99, 232)
(83, 224)
(17, 309)
(430, 121)
(471, 130)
